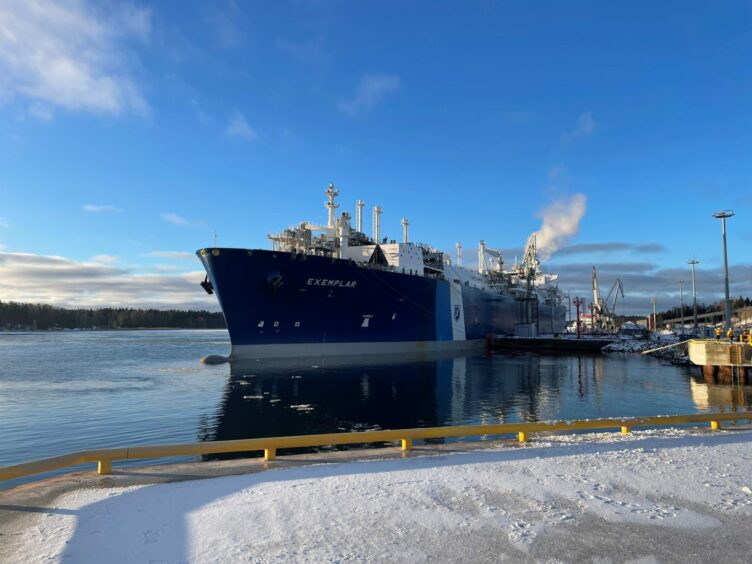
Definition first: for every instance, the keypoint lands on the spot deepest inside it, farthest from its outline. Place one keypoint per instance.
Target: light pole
(681, 303)
(655, 321)
(577, 303)
(693, 262)
(722, 215)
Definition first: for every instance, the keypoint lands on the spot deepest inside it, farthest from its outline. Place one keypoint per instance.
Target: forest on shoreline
(43, 317)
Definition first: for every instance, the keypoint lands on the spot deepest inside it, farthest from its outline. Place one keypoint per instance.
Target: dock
(722, 362)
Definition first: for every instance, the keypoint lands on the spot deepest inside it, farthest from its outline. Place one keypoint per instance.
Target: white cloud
(104, 259)
(586, 126)
(166, 268)
(179, 255)
(42, 112)
(71, 54)
(175, 219)
(372, 88)
(100, 208)
(238, 127)
(226, 21)
(309, 51)
(555, 173)
(26, 277)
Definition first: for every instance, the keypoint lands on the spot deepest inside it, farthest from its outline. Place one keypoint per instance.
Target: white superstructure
(338, 239)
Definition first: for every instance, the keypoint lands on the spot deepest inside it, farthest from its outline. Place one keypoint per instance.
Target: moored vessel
(333, 290)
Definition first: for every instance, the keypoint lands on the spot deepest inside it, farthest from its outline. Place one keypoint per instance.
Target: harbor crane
(604, 310)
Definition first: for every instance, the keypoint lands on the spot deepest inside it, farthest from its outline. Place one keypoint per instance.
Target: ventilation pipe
(405, 223)
(459, 254)
(376, 223)
(359, 215)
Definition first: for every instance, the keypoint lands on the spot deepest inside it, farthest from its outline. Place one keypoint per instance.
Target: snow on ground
(654, 495)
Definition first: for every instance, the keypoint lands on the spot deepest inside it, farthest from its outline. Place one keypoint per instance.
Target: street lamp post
(681, 304)
(577, 303)
(722, 215)
(693, 262)
(655, 321)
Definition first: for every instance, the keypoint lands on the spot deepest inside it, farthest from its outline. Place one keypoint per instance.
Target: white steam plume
(561, 222)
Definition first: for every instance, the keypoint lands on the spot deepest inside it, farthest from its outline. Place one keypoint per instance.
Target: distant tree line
(676, 312)
(27, 316)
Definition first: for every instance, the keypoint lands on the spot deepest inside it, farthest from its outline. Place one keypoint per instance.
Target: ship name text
(331, 283)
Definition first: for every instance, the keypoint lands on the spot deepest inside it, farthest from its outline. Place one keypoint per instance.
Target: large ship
(333, 290)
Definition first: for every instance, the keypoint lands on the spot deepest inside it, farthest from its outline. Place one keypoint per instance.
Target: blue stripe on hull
(443, 309)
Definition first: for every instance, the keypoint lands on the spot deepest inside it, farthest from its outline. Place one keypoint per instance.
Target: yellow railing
(270, 445)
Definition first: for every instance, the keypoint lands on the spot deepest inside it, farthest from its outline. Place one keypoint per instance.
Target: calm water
(61, 392)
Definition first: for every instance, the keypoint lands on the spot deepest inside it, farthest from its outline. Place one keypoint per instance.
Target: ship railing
(271, 445)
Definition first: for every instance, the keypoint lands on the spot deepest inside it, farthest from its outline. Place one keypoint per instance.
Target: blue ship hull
(287, 304)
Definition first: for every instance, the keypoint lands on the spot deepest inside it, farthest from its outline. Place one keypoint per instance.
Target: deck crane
(597, 303)
(616, 289)
(604, 310)
(489, 260)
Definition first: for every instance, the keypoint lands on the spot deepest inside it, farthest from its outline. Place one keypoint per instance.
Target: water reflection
(719, 397)
(292, 398)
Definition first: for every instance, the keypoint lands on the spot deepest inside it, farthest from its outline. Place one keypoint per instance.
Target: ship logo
(457, 312)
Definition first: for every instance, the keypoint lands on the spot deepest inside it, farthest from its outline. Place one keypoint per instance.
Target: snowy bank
(672, 350)
(658, 495)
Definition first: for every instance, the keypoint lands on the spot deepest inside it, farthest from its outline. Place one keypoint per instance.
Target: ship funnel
(405, 223)
(376, 223)
(359, 215)
(482, 256)
(459, 253)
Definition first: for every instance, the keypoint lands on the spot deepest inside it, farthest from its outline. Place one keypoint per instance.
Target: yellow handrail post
(522, 437)
(715, 425)
(625, 429)
(104, 466)
(270, 454)
(407, 443)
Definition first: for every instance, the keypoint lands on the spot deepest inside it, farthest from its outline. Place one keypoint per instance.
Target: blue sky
(130, 131)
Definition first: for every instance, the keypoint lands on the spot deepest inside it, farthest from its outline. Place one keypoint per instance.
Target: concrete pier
(722, 362)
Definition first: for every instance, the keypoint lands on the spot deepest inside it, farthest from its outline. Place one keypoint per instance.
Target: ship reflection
(264, 399)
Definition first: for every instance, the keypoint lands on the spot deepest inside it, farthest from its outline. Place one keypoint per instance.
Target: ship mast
(331, 193)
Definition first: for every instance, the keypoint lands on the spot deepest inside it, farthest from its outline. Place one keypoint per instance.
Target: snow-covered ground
(653, 496)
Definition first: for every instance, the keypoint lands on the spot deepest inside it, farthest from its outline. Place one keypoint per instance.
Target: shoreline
(84, 330)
